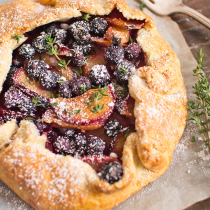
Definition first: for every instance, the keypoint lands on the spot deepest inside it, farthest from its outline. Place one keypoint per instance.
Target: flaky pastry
(52, 181)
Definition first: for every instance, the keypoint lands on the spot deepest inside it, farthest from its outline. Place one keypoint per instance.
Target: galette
(92, 102)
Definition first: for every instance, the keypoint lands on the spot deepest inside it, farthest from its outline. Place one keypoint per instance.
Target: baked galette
(92, 102)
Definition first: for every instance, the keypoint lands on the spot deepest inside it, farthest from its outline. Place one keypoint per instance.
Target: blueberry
(80, 85)
(99, 26)
(64, 89)
(10, 75)
(60, 35)
(69, 132)
(85, 49)
(14, 97)
(48, 80)
(111, 172)
(79, 24)
(80, 142)
(132, 51)
(40, 43)
(26, 51)
(123, 71)
(99, 75)
(82, 36)
(112, 128)
(51, 27)
(95, 145)
(62, 144)
(115, 54)
(35, 68)
(116, 40)
(78, 58)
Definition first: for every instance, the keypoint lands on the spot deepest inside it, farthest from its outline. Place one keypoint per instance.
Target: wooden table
(197, 36)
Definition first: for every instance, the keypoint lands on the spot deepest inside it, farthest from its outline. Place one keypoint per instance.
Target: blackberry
(115, 54)
(99, 75)
(14, 97)
(80, 85)
(112, 128)
(80, 142)
(51, 27)
(82, 36)
(123, 71)
(10, 75)
(40, 43)
(64, 89)
(99, 26)
(26, 51)
(78, 58)
(60, 35)
(35, 68)
(95, 145)
(111, 172)
(132, 51)
(79, 24)
(69, 132)
(85, 49)
(62, 144)
(48, 80)
(116, 40)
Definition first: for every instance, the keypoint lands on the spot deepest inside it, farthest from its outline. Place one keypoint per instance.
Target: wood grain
(196, 35)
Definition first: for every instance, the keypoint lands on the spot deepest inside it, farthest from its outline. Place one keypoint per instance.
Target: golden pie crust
(48, 181)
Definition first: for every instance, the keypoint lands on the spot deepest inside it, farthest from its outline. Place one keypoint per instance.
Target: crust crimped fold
(48, 181)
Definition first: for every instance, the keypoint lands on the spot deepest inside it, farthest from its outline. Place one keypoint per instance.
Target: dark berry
(80, 142)
(64, 89)
(82, 36)
(10, 75)
(14, 97)
(111, 172)
(132, 51)
(112, 128)
(80, 85)
(78, 58)
(69, 132)
(26, 51)
(62, 144)
(116, 40)
(35, 68)
(99, 75)
(115, 54)
(123, 71)
(48, 80)
(60, 35)
(40, 43)
(51, 27)
(120, 91)
(95, 145)
(79, 24)
(16, 62)
(99, 26)
(85, 49)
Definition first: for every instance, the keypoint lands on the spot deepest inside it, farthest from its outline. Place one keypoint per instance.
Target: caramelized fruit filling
(71, 79)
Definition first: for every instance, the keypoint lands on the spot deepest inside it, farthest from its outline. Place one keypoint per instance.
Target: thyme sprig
(36, 101)
(124, 70)
(86, 17)
(17, 37)
(199, 110)
(53, 50)
(142, 6)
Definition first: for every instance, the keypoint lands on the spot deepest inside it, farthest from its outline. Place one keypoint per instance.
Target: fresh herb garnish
(54, 104)
(124, 91)
(128, 132)
(77, 111)
(30, 118)
(142, 6)
(199, 111)
(88, 103)
(87, 56)
(53, 50)
(97, 108)
(36, 101)
(17, 37)
(61, 81)
(78, 72)
(86, 17)
(131, 40)
(83, 88)
(123, 69)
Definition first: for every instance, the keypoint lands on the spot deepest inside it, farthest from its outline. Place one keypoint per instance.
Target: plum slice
(85, 109)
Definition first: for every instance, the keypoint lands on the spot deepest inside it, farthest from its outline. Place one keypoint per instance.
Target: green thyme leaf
(54, 104)
(142, 6)
(76, 111)
(30, 118)
(128, 132)
(86, 17)
(17, 37)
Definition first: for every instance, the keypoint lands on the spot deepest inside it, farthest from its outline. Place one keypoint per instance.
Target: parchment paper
(188, 178)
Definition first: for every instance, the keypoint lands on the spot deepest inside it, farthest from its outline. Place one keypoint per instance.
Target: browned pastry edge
(48, 181)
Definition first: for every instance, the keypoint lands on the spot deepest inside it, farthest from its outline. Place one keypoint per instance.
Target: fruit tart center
(71, 79)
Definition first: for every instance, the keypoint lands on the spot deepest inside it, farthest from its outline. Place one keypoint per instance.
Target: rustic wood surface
(197, 36)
